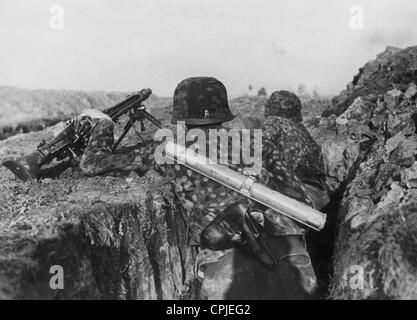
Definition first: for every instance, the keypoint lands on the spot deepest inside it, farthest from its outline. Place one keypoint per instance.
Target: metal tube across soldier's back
(246, 186)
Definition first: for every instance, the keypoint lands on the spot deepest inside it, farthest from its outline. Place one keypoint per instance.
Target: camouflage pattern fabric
(98, 157)
(201, 100)
(284, 104)
(203, 198)
(299, 150)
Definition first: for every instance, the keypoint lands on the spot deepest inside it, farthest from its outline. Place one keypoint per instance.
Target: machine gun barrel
(246, 186)
(132, 101)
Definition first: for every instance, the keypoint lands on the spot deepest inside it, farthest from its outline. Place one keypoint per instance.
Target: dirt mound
(393, 68)
(114, 237)
(370, 154)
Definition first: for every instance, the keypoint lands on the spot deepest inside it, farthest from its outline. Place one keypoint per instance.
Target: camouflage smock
(298, 148)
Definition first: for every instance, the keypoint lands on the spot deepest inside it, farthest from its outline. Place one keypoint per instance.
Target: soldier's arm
(93, 114)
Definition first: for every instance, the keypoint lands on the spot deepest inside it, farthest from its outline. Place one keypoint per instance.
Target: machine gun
(135, 110)
(72, 141)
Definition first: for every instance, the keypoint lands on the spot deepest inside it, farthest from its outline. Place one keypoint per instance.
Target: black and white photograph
(228, 150)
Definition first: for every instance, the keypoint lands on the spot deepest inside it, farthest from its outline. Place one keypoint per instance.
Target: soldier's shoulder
(281, 123)
(275, 124)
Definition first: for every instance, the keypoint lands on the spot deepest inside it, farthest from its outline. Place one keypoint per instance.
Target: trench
(321, 246)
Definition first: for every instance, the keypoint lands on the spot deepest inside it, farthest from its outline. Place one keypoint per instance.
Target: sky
(126, 45)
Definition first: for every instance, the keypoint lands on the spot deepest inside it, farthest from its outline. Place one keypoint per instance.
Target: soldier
(202, 102)
(283, 127)
(98, 157)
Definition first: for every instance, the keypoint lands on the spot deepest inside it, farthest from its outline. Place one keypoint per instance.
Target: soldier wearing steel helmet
(209, 208)
(98, 157)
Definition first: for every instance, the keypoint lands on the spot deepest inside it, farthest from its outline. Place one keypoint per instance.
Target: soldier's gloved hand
(277, 224)
(93, 114)
(86, 113)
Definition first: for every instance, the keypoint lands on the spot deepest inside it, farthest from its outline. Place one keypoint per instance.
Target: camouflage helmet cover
(200, 101)
(284, 104)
